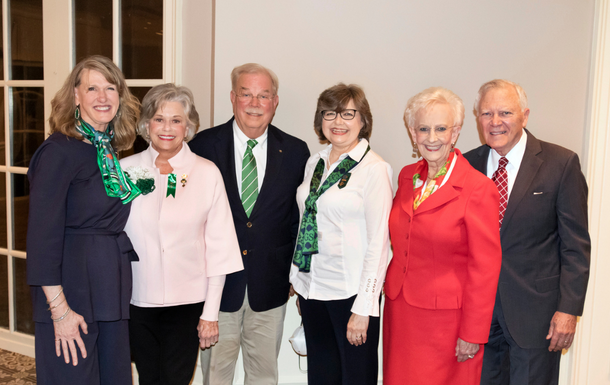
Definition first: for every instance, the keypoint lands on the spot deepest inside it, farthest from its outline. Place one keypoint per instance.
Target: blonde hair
(63, 105)
(169, 92)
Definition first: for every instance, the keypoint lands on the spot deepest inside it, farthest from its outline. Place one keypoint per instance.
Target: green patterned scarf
(115, 182)
(307, 242)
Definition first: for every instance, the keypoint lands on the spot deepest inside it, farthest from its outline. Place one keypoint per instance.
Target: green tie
(249, 179)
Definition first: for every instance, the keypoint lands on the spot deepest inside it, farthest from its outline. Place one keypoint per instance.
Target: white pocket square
(537, 192)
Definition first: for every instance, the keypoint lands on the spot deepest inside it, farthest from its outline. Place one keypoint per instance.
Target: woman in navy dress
(79, 258)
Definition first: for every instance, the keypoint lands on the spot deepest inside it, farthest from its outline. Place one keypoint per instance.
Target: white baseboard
(17, 342)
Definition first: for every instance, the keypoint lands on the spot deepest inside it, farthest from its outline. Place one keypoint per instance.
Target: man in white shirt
(262, 167)
(545, 241)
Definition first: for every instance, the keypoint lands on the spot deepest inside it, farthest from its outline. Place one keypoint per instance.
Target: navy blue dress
(75, 239)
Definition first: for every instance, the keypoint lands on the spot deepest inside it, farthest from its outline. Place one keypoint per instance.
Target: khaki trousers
(259, 334)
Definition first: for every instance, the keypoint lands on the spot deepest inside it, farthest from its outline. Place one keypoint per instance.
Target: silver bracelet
(62, 317)
(57, 295)
(53, 307)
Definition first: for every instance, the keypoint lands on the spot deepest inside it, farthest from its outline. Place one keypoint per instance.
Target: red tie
(500, 177)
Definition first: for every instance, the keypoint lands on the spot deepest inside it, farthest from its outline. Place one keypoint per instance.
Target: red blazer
(447, 255)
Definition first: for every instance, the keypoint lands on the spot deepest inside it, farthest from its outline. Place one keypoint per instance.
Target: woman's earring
(77, 113)
(452, 147)
(415, 151)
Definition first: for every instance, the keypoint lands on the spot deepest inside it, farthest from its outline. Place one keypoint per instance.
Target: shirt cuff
(213, 297)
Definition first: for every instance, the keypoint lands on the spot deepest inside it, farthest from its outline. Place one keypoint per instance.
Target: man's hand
(561, 331)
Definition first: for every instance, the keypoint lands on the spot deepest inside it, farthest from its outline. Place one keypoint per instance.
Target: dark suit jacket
(267, 238)
(545, 241)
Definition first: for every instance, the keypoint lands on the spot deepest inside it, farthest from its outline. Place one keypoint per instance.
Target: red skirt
(419, 347)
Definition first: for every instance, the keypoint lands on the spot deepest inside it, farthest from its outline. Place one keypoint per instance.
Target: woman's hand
(356, 329)
(208, 333)
(67, 335)
(465, 350)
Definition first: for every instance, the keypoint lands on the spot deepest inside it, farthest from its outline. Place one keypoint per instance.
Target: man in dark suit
(545, 241)
(262, 168)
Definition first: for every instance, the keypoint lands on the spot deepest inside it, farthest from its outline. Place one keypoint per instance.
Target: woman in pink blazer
(184, 235)
(441, 283)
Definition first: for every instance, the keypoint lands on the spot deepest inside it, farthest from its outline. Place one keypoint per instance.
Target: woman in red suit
(441, 283)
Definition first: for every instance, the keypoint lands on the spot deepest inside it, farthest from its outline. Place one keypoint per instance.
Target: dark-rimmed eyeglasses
(345, 115)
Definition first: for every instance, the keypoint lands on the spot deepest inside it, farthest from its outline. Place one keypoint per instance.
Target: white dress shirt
(353, 238)
(514, 156)
(240, 144)
(187, 243)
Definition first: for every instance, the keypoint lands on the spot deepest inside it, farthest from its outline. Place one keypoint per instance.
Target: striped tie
(249, 179)
(500, 177)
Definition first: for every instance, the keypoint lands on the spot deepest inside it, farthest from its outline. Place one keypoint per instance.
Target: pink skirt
(419, 347)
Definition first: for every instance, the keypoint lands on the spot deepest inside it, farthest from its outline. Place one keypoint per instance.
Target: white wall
(197, 47)
(394, 49)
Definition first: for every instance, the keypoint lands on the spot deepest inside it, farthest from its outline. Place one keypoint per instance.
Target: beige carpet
(16, 369)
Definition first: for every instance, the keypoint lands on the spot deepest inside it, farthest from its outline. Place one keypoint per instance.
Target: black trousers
(165, 343)
(505, 363)
(331, 359)
(107, 361)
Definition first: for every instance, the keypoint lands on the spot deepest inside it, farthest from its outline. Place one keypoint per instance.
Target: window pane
(3, 292)
(92, 28)
(3, 234)
(27, 123)
(139, 92)
(2, 144)
(142, 39)
(26, 39)
(21, 205)
(140, 144)
(23, 301)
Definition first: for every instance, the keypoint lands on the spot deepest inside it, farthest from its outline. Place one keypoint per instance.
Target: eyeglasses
(345, 115)
(262, 99)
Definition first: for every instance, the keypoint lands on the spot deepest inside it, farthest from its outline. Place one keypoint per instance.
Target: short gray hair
(431, 96)
(254, 68)
(169, 92)
(500, 83)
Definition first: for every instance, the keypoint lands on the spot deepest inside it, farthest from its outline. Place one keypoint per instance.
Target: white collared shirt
(353, 238)
(514, 156)
(259, 151)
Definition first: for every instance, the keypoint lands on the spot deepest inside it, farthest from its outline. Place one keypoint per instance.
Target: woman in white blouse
(342, 249)
(184, 235)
